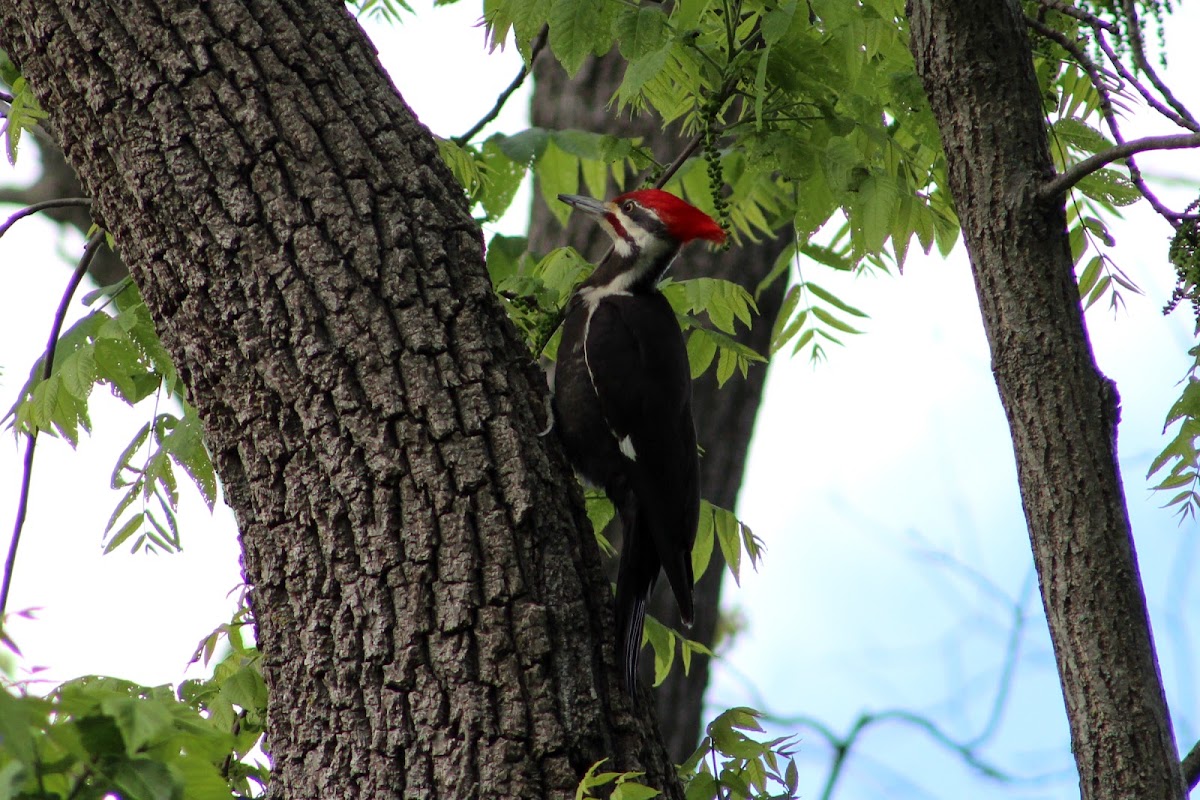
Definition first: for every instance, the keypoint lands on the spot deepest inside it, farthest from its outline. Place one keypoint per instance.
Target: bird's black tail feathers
(636, 576)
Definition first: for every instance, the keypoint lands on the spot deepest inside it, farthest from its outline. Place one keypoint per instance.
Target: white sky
(862, 469)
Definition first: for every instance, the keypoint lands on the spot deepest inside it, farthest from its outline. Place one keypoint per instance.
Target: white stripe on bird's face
(637, 238)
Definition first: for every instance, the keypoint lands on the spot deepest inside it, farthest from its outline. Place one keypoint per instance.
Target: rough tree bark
(433, 616)
(725, 418)
(977, 66)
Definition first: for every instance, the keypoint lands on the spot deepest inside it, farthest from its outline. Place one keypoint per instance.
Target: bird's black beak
(588, 205)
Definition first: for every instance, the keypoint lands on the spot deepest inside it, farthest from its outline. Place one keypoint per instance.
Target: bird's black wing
(638, 365)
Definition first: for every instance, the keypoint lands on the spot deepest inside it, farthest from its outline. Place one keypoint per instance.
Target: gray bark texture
(725, 417)
(976, 63)
(430, 604)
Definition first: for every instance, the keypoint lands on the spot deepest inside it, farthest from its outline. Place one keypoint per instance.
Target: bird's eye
(627, 206)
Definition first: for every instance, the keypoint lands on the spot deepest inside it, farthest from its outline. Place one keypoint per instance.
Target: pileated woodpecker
(623, 399)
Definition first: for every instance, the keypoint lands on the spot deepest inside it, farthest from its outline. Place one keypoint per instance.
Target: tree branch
(1191, 767)
(538, 43)
(1097, 75)
(1139, 58)
(1078, 13)
(36, 207)
(1077, 172)
(89, 252)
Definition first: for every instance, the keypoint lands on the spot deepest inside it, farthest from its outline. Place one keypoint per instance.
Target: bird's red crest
(683, 220)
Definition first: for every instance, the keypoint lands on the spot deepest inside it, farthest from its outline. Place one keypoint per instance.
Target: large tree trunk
(433, 617)
(725, 418)
(976, 63)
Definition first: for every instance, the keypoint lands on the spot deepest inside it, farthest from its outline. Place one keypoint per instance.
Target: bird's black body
(623, 403)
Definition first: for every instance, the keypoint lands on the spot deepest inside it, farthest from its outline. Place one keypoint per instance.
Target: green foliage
(122, 351)
(94, 737)
(724, 302)
(1182, 478)
(664, 641)
(731, 765)
(388, 11)
(23, 113)
(625, 785)
(1180, 454)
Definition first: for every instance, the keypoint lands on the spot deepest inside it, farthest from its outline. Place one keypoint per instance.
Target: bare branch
(1139, 58)
(1077, 172)
(1148, 96)
(36, 207)
(538, 43)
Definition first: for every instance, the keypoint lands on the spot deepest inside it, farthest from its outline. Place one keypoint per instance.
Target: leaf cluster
(731, 765)
(116, 346)
(101, 737)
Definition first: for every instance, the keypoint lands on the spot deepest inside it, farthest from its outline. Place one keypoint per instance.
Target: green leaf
(245, 688)
(525, 147)
(832, 321)
(502, 178)
(785, 327)
(462, 165)
(600, 512)
(1080, 135)
(591, 780)
(145, 779)
(727, 364)
(185, 445)
(504, 256)
(1087, 280)
(726, 526)
(662, 641)
(702, 786)
(577, 31)
(878, 197)
(701, 350)
(558, 173)
(638, 73)
(777, 21)
(141, 721)
(832, 299)
(1111, 187)
(23, 113)
(17, 715)
(641, 31)
(1098, 291)
(702, 549)
(629, 790)
(128, 529)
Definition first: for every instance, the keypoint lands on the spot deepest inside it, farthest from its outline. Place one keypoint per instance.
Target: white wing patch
(626, 446)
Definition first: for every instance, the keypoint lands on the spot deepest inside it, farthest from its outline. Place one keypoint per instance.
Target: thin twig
(538, 43)
(89, 251)
(1139, 58)
(1145, 93)
(1077, 172)
(1078, 13)
(60, 202)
